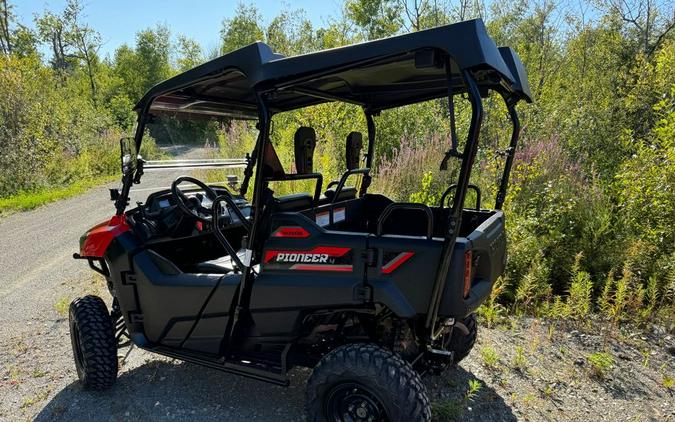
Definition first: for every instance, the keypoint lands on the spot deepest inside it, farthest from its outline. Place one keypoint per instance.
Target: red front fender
(94, 242)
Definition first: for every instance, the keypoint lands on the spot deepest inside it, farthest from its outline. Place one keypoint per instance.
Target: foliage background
(591, 207)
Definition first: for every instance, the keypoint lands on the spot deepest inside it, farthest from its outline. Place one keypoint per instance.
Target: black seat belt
(452, 152)
(248, 171)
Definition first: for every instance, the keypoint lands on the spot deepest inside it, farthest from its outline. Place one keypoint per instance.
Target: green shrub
(490, 357)
(425, 195)
(519, 360)
(491, 310)
(601, 364)
(534, 286)
(580, 293)
(605, 299)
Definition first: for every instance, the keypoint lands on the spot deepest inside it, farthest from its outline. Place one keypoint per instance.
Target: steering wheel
(182, 200)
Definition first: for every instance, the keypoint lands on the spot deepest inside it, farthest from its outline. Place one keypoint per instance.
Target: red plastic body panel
(98, 238)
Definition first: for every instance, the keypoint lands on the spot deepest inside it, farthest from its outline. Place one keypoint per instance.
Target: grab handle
(343, 180)
(453, 187)
(407, 206)
(215, 209)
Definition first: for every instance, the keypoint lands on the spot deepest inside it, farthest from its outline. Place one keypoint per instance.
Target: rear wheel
(363, 382)
(461, 343)
(93, 340)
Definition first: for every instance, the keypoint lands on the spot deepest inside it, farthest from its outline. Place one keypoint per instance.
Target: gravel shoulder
(541, 373)
(534, 370)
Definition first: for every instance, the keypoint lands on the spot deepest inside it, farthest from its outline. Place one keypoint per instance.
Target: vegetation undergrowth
(590, 208)
(24, 201)
(601, 363)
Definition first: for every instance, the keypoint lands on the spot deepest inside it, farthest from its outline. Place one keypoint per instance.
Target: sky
(118, 20)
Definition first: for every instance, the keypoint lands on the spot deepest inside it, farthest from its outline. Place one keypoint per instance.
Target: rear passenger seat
(348, 192)
(293, 202)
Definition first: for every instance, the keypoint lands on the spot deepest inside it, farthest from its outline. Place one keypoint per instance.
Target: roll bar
(510, 153)
(455, 215)
(261, 194)
(259, 188)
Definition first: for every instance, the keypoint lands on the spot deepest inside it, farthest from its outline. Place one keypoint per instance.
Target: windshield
(213, 151)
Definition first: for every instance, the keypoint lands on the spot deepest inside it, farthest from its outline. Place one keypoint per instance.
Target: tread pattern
(462, 344)
(399, 386)
(98, 369)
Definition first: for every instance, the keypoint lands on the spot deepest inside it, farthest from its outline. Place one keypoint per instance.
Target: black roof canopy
(377, 75)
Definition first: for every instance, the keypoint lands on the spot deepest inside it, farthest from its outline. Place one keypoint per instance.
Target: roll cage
(254, 83)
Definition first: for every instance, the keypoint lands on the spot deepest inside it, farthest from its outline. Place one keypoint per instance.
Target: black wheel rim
(353, 402)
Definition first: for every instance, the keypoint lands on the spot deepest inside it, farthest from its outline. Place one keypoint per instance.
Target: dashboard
(163, 199)
(161, 216)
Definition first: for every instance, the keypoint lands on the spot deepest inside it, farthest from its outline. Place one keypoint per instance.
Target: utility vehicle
(369, 292)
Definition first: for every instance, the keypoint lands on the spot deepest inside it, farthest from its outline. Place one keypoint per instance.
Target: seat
(304, 142)
(348, 192)
(293, 202)
(222, 265)
(352, 157)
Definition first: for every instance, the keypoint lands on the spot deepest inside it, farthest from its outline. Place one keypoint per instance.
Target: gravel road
(552, 380)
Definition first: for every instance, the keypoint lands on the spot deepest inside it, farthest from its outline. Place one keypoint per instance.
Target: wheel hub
(352, 402)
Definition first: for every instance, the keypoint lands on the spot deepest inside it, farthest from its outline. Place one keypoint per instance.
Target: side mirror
(128, 155)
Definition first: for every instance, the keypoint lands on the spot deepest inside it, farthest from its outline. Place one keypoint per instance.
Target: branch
(659, 40)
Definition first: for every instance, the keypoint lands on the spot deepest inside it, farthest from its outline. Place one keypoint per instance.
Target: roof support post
(365, 183)
(510, 153)
(371, 138)
(241, 315)
(455, 217)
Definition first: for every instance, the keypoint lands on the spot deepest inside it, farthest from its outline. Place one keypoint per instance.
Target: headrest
(354, 145)
(305, 141)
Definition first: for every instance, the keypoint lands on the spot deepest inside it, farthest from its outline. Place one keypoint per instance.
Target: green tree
(6, 18)
(54, 29)
(243, 29)
(647, 179)
(375, 18)
(290, 33)
(153, 50)
(189, 53)
(86, 42)
(125, 68)
(647, 22)
(24, 42)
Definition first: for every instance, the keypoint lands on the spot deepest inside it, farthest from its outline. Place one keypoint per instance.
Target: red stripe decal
(332, 251)
(322, 267)
(396, 262)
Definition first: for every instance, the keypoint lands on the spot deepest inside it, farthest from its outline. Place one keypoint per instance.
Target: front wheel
(363, 382)
(93, 340)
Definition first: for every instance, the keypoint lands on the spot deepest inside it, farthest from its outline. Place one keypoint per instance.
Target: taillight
(468, 259)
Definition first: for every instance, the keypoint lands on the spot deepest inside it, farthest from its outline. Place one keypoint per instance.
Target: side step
(258, 371)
